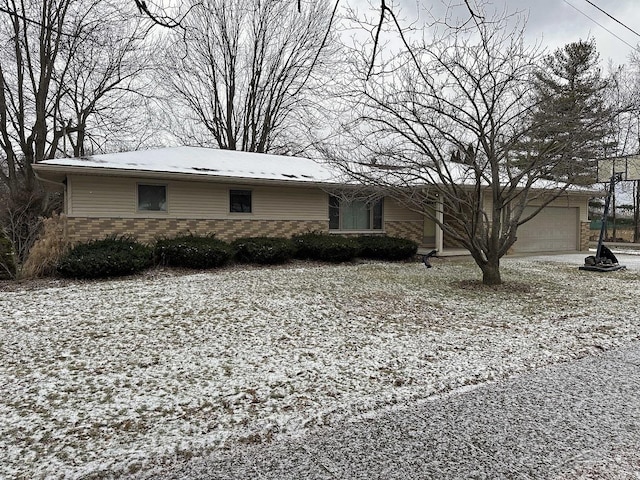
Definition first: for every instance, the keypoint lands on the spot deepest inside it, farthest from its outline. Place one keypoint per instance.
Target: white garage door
(554, 229)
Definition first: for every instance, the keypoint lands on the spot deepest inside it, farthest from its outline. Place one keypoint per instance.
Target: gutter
(121, 172)
(62, 184)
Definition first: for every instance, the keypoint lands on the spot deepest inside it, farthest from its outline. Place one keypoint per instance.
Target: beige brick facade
(412, 230)
(585, 232)
(80, 229)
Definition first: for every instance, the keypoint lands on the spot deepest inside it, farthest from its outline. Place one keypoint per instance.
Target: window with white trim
(354, 214)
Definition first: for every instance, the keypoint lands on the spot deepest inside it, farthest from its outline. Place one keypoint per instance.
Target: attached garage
(553, 229)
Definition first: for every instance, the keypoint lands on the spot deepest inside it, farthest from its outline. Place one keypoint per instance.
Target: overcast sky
(555, 22)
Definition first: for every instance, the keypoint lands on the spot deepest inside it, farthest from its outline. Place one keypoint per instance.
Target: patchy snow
(206, 161)
(111, 377)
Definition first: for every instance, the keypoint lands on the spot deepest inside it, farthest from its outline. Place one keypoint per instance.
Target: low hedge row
(111, 257)
(263, 250)
(325, 247)
(191, 251)
(116, 256)
(386, 248)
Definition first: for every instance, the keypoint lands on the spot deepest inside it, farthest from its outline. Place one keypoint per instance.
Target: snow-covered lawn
(105, 377)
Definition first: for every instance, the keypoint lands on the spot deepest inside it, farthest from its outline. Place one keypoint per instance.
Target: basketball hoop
(611, 171)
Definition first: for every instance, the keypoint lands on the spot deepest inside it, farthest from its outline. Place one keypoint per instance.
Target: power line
(600, 25)
(613, 18)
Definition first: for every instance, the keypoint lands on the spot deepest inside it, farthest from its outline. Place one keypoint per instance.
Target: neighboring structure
(164, 192)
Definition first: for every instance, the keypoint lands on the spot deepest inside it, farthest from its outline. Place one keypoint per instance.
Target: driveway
(575, 420)
(631, 261)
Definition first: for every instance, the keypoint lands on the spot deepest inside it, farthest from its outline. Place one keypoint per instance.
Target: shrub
(48, 249)
(192, 251)
(7, 258)
(21, 217)
(263, 250)
(386, 248)
(111, 257)
(325, 247)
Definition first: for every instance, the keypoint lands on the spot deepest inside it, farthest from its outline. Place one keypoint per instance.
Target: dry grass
(47, 249)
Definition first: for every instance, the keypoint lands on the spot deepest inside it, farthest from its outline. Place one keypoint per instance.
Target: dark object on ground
(425, 258)
(605, 253)
(606, 262)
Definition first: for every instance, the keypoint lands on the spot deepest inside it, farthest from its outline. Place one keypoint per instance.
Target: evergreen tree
(570, 123)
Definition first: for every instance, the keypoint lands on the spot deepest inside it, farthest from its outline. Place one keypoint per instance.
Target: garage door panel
(553, 229)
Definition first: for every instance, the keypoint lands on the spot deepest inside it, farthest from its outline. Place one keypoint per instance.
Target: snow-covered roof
(205, 162)
(232, 164)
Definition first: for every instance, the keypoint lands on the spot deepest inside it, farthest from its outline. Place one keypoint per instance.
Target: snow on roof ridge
(208, 161)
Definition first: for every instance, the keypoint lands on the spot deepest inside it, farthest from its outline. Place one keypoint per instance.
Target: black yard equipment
(425, 258)
(604, 260)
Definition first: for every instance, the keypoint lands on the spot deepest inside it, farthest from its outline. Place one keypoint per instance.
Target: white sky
(553, 23)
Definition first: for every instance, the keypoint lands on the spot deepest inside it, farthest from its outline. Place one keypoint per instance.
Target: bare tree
(67, 68)
(28, 98)
(63, 62)
(102, 95)
(443, 124)
(243, 71)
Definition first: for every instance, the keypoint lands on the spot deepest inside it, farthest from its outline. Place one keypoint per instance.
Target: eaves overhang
(58, 173)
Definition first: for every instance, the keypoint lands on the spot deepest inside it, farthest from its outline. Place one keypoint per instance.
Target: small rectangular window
(240, 201)
(152, 198)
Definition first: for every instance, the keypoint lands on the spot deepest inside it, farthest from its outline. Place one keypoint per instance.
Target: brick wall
(80, 229)
(413, 230)
(585, 233)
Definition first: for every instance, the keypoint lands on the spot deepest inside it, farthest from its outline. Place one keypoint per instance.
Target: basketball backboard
(628, 167)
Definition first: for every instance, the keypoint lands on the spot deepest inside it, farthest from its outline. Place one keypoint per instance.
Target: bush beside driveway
(104, 377)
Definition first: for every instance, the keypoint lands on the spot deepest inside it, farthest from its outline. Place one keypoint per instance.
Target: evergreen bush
(386, 248)
(111, 257)
(263, 250)
(325, 247)
(193, 251)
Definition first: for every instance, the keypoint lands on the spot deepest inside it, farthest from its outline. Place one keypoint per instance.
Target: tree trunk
(613, 217)
(491, 272)
(636, 211)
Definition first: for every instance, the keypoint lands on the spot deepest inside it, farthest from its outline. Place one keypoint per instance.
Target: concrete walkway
(569, 421)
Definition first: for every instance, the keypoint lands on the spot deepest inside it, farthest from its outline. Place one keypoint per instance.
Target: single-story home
(167, 191)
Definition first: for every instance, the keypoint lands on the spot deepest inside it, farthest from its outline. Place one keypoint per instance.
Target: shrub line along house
(169, 191)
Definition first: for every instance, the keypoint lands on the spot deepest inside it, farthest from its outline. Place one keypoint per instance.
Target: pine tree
(570, 123)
